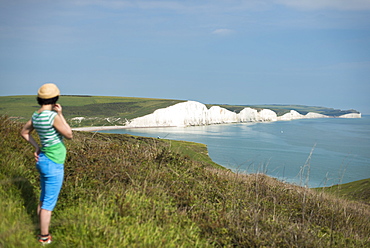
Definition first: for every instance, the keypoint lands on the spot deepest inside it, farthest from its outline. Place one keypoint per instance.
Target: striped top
(43, 123)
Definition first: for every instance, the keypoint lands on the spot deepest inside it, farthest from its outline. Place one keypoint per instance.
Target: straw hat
(48, 91)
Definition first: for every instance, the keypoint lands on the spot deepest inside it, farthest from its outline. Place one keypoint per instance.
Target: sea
(306, 152)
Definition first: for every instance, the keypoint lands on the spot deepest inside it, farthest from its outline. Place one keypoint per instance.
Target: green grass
(358, 190)
(128, 191)
(195, 151)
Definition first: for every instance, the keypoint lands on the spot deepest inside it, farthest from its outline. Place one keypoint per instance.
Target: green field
(94, 108)
(358, 190)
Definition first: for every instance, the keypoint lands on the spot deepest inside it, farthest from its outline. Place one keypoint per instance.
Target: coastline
(280, 118)
(192, 113)
(98, 128)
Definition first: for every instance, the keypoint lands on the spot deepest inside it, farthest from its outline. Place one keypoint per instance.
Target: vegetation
(302, 109)
(358, 190)
(104, 110)
(127, 191)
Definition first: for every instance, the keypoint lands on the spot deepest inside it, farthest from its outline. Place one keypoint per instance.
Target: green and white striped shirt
(51, 140)
(43, 123)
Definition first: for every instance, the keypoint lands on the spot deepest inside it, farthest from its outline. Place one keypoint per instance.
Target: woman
(51, 127)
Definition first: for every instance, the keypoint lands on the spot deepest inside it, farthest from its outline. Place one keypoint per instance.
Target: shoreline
(100, 128)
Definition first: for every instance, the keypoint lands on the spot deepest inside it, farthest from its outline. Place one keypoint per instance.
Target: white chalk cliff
(193, 113)
(293, 115)
(351, 115)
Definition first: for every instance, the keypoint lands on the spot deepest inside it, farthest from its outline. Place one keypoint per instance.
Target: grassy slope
(127, 191)
(358, 190)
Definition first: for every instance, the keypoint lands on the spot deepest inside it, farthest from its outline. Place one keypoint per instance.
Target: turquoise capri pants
(51, 180)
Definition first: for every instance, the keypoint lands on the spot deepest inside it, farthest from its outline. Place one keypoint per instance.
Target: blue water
(310, 152)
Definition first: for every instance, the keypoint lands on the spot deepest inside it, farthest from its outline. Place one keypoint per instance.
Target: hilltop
(128, 191)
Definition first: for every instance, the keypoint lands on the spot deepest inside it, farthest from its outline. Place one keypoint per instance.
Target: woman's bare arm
(26, 134)
(61, 124)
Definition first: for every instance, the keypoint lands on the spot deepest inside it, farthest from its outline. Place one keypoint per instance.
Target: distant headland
(192, 113)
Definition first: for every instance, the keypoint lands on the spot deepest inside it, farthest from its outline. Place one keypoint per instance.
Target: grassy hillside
(127, 191)
(358, 190)
(95, 108)
(104, 110)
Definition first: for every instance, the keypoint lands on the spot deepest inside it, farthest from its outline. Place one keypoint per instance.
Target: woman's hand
(36, 153)
(57, 108)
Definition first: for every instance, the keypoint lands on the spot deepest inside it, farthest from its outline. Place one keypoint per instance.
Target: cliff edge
(192, 113)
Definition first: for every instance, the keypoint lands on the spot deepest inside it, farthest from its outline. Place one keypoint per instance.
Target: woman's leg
(45, 217)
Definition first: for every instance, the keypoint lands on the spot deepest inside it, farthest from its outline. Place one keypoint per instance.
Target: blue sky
(310, 52)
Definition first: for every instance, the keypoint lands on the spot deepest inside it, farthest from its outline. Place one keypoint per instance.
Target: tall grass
(126, 191)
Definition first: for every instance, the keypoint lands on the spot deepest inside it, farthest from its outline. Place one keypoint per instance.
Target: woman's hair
(42, 101)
